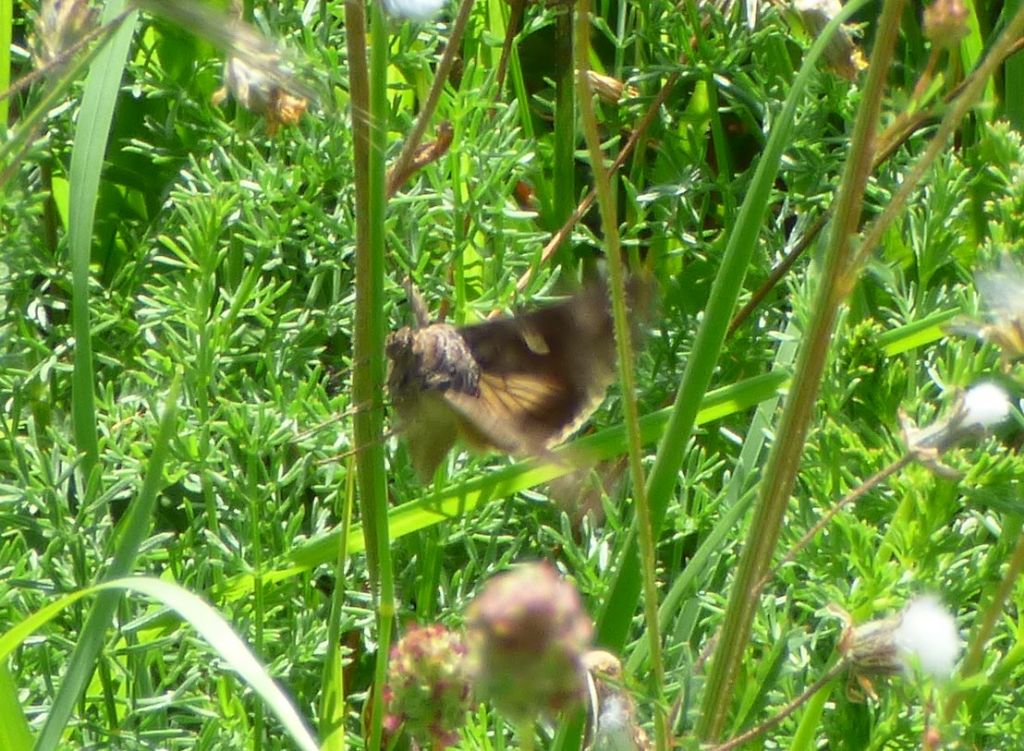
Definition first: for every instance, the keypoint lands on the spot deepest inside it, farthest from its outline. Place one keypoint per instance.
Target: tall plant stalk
(564, 160)
(369, 116)
(624, 350)
(784, 458)
(617, 615)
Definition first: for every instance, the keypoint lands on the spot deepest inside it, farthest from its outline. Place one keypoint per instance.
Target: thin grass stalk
(565, 124)
(852, 497)
(896, 134)
(252, 471)
(624, 350)
(332, 700)
(784, 458)
(369, 95)
(617, 610)
(776, 719)
(130, 534)
(972, 91)
(991, 614)
(635, 136)
(6, 20)
(736, 498)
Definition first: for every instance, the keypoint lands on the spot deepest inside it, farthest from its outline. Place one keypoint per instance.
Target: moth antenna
(352, 451)
(351, 411)
(419, 308)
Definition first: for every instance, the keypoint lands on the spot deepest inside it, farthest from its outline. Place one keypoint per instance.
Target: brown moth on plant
(519, 384)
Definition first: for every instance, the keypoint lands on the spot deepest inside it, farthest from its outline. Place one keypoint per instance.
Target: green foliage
(171, 260)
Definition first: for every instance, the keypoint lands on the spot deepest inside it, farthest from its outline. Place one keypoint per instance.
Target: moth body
(435, 358)
(426, 364)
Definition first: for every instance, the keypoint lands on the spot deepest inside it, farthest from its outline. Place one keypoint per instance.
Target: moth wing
(520, 413)
(543, 373)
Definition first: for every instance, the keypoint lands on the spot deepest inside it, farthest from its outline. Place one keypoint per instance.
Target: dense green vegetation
(191, 363)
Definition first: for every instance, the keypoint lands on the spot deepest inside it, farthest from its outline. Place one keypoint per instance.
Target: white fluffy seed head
(985, 405)
(414, 10)
(927, 637)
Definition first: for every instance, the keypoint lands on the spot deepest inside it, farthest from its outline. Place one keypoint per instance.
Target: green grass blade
(972, 48)
(369, 94)
(207, 622)
(810, 723)
(837, 275)
(14, 731)
(134, 529)
(91, 135)
(230, 647)
(332, 694)
(916, 334)
(462, 498)
(737, 498)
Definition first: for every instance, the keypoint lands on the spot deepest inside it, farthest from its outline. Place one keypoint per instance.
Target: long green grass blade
(134, 529)
(617, 611)
(460, 499)
(207, 622)
(91, 135)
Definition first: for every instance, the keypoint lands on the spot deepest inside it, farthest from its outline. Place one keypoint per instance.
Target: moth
(518, 384)
(1001, 290)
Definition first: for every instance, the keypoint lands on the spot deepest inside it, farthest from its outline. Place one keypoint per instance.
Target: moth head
(399, 344)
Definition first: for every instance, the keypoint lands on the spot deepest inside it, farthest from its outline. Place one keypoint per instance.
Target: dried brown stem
(401, 166)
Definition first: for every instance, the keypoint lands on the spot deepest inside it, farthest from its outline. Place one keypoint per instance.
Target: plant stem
(783, 713)
(616, 616)
(565, 122)
(993, 611)
(584, 205)
(784, 459)
(958, 108)
(852, 497)
(524, 731)
(624, 347)
(369, 103)
(400, 167)
(332, 698)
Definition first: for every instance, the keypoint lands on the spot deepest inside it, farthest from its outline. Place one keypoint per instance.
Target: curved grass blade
(132, 532)
(207, 622)
(91, 136)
